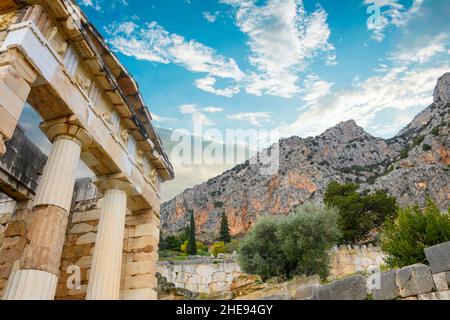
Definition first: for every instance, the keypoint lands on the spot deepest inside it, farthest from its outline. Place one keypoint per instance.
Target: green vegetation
(217, 248)
(417, 141)
(436, 131)
(191, 247)
(404, 153)
(414, 230)
(292, 245)
(426, 147)
(358, 213)
(224, 229)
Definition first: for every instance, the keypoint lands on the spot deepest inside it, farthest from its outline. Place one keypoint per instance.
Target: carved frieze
(7, 19)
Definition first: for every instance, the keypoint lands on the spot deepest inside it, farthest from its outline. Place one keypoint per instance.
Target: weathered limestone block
(16, 228)
(88, 238)
(143, 281)
(414, 280)
(81, 228)
(439, 257)
(353, 288)
(388, 287)
(441, 281)
(139, 294)
(307, 292)
(139, 268)
(443, 295)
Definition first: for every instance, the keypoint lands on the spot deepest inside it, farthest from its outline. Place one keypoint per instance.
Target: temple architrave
(54, 245)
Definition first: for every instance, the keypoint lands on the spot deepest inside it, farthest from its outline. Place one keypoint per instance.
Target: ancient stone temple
(54, 60)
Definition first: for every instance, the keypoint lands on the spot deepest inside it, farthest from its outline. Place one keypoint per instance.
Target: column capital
(115, 181)
(66, 126)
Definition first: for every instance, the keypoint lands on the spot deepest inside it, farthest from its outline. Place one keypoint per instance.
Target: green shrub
(426, 147)
(414, 230)
(404, 153)
(232, 246)
(293, 245)
(217, 248)
(436, 131)
(201, 247)
(418, 141)
(358, 213)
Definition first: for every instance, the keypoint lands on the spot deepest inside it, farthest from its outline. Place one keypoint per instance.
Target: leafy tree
(217, 248)
(414, 230)
(358, 213)
(287, 246)
(192, 244)
(426, 147)
(224, 229)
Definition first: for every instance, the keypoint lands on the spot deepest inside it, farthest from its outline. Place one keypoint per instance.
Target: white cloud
(99, 4)
(283, 37)
(197, 116)
(393, 13)
(426, 49)
(188, 108)
(152, 42)
(211, 17)
(399, 88)
(158, 118)
(315, 89)
(207, 84)
(212, 109)
(255, 118)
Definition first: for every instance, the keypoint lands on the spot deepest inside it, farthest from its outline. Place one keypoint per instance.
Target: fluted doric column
(105, 274)
(36, 279)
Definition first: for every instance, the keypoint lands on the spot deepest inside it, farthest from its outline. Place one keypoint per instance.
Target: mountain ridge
(413, 165)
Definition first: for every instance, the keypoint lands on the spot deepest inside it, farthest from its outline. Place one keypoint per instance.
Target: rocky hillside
(413, 166)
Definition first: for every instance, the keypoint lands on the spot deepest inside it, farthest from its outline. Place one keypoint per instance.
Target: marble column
(105, 274)
(37, 276)
(16, 78)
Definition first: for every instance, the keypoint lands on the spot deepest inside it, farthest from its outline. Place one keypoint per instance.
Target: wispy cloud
(255, 118)
(399, 88)
(100, 4)
(393, 14)
(152, 42)
(213, 109)
(198, 117)
(283, 38)
(211, 17)
(423, 51)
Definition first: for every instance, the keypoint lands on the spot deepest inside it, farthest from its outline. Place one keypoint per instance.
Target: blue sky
(302, 66)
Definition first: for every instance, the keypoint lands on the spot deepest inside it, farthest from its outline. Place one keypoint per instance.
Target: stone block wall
(347, 260)
(15, 226)
(204, 275)
(140, 247)
(415, 282)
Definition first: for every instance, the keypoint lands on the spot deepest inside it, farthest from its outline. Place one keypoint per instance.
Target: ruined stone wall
(15, 240)
(347, 260)
(204, 275)
(139, 252)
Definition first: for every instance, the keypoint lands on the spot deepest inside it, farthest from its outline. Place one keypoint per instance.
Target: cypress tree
(192, 244)
(224, 229)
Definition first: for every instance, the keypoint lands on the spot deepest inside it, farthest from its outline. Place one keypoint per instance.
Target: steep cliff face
(413, 166)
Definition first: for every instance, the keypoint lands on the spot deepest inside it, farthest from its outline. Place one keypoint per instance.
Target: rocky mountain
(413, 166)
